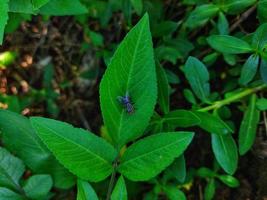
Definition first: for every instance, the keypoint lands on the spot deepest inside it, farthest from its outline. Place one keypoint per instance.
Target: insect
(126, 102)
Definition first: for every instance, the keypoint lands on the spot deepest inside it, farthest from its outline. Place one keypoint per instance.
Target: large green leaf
(130, 72)
(3, 18)
(39, 3)
(83, 153)
(163, 89)
(85, 191)
(148, 157)
(19, 137)
(248, 128)
(249, 69)
(225, 151)
(181, 118)
(38, 186)
(63, 7)
(120, 191)
(7, 194)
(198, 76)
(11, 170)
(21, 6)
(201, 15)
(228, 44)
(213, 124)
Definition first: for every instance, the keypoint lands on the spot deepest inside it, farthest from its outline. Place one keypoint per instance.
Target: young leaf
(38, 186)
(261, 104)
(198, 76)
(63, 7)
(249, 69)
(85, 191)
(248, 128)
(130, 72)
(259, 39)
(11, 170)
(7, 194)
(181, 118)
(210, 190)
(263, 69)
(213, 124)
(3, 18)
(163, 89)
(223, 25)
(229, 180)
(225, 151)
(148, 157)
(83, 153)
(19, 137)
(178, 169)
(201, 15)
(228, 44)
(173, 193)
(120, 191)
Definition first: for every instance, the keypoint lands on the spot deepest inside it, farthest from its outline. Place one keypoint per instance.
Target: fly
(127, 103)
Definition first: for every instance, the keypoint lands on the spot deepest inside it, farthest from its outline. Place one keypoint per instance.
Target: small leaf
(181, 118)
(83, 153)
(148, 157)
(229, 180)
(236, 6)
(198, 76)
(138, 6)
(248, 127)
(3, 18)
(19, 137)
(205, 173)
(163, 89)
(38, 186)
(210, 190)
(178, 169)
(249, 69)
(262, 9)
(228, 44)
(261, 104)
(130, 72)
(7, 194)
(259, 39)
(63, 7)
(263, 69)
(213, 124)
(225, 151)
(11, 170)
(223, 25)
(173, 193)
(201, 15)
(85, 191)
(120, 191)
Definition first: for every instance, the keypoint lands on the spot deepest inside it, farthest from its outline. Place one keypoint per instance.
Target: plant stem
(112, 179)
(233, 98)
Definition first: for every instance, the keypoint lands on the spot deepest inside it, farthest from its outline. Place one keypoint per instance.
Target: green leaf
(205, 172)
(213, 124)
(85, 191)
(201, 15)
(249, 69)
(83, 153)
(263, 69)
(7, 194)
(248, 128)
(236, 6)
(198, 76)
(173, 193)
(210, 190)
(164, 28)
(19, 137)
(63, 7)
(262, 9)
(3, 18)
(261, 104)
(229, 180)
(225, 151)
(38, 186)
(259, 39)
(222, 25)
(148, 157)
(21, 6)
(178, 169)
(39, 3)
(138, 6)
(163, 89)
(120, 191)
(228, 44)
(11, 170)
(131, 71)
(181, 118)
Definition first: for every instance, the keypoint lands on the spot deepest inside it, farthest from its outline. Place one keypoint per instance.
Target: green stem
(233, 98)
